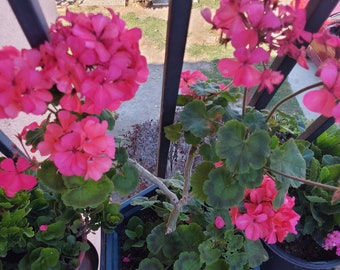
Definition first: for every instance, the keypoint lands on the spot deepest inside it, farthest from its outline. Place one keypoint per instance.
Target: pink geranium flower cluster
(259, 219)
(332, 241)
(90, 63)
(93, 60)
(255, 29)
(189, 78)
(79, 148)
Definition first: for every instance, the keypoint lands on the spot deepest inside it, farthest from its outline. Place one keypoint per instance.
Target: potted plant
(234, 196)
(250, 162)
(51, 201)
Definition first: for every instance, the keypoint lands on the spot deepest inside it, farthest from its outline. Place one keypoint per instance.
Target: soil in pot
(307, 249)
(131, 258)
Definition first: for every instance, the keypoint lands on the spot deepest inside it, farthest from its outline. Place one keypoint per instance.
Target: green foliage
(136, 233)
(126, 180)
(242, 151)
(15, 230)
(319, 215)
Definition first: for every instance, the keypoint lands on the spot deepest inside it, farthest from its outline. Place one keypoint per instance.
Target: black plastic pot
(281, 260)
(110, 254)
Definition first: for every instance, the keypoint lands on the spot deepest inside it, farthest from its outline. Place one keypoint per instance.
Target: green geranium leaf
(90, 194)
(251, 179)
(236, 243)
(289, 161)
(220, 265)
(48, 258)
(208, 153)
(222, 190)
(215, 112)
(34, 137)
(182, 100)
(198, 178)
(107, 116)
(121, 155)
(209, 254)
(145, 202)
(191, 138)
(237, 260)
(191, 236)
(255, 120)
(188, 261)
(194, 119)
(255, 252)
(173, 132)
(241, 153)
(150, 264)
(126, 181)
(157, 239)
(49, 176)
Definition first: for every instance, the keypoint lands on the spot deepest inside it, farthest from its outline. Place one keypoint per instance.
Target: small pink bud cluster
(332, 241)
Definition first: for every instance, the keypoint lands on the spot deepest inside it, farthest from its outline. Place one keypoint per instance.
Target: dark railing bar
(177, 31)
(31, 19)
(317, 12)
(316, 128)
(7, 147)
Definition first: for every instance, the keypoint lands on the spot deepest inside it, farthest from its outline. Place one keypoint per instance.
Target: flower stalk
(282, 101)
(303, 180)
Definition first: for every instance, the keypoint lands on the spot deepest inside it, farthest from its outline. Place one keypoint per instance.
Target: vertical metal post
(31, 19)
(177, 31)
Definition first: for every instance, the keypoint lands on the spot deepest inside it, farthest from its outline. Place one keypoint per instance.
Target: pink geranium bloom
(13, 177)
(241, 69)
(254, 222)
(69, 157)
(270, 78)
(189, 78)
(323, 100)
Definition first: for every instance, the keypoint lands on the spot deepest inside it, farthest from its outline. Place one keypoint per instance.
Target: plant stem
(176, 211)
(155, 180)
(174, 214)
(291, 96)
(244, 102)
(303, 180)
(188, 168)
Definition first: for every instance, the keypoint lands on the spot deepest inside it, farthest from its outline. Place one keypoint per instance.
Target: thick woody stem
(155, 180)
(176, 211)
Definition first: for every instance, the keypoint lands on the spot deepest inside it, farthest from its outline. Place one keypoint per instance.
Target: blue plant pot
(110, 244)
(281, 260)
(110, 247)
